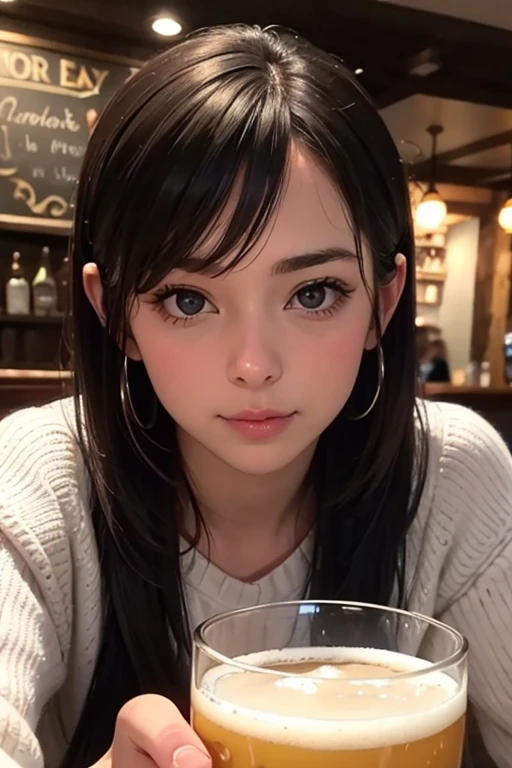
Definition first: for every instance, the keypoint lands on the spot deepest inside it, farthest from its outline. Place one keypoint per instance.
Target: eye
(319, 296)
(312, 296)
(183, 303)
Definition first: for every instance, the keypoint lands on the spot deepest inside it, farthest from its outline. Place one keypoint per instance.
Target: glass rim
(457, 656)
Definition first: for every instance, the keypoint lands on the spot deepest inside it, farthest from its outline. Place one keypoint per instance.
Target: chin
(260, 460)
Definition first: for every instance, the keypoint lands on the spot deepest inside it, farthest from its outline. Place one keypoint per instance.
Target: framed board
(50, 98)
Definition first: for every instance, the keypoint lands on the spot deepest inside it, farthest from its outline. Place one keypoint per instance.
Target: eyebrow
(284, 266)
(313, 259)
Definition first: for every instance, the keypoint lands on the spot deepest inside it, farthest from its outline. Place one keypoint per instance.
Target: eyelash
(338, 286)
(165, 293)
(343, 293)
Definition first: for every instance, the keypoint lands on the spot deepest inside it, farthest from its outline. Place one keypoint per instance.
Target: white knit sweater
(459, 569)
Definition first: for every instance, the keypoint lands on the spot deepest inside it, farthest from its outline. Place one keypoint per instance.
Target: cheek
(337, 345)
(175, 367)
(331, 364)
(335, 360)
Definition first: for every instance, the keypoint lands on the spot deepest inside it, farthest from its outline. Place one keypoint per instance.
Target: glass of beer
(329, 685)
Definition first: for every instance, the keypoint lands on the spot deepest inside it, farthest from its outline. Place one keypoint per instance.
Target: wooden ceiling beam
(93, 11)
(395, 93)
(424, 23)
(462, 89)
(35, 19)
(466, 150)
(443, 85)
(463, 175)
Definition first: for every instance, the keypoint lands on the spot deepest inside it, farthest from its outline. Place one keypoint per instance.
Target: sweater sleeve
(475, 496)
(35, 580)
(484, 616)
(31, 664)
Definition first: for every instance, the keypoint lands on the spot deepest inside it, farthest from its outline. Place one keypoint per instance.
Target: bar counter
(20, 388)
(488, 397)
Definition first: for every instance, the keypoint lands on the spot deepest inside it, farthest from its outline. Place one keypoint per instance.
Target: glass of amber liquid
(329, 685)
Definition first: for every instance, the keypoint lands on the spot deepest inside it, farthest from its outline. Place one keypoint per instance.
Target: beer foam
(327, 708)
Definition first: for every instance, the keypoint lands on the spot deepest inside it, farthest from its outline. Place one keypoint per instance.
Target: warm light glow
(431, 211)
(166, 26)
(7, 1)
(359, 71)
(505, 217)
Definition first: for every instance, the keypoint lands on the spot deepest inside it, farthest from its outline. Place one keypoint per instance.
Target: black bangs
(202, 169)
(191, 156)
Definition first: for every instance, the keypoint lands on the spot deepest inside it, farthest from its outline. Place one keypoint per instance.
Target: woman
(244, 426)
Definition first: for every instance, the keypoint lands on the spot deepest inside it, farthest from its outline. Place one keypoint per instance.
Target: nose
(255, 362)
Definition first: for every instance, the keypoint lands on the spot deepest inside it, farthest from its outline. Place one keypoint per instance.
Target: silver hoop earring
(127, 404)
(370, 408)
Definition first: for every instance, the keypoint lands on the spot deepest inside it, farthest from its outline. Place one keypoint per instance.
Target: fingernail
(190, 757)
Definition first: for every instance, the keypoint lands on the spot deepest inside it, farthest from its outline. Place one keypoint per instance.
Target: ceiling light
(166, 26)
(505, 216)
(359, 71)
(432, 210)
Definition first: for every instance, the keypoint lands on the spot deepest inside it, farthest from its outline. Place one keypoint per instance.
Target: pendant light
(432, 210)
(505, 215)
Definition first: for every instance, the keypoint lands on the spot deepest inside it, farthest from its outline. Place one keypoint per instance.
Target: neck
(261, 517)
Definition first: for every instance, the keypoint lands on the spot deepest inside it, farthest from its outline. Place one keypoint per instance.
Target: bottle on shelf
(17, 290)
(427, 264)
(431, 294)
(485, 374)
(472, 377)
(44, 287)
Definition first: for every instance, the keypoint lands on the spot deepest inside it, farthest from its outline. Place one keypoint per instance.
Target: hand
(151, 732)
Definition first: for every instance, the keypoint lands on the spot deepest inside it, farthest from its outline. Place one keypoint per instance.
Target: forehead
(311, 205)
(311, 216)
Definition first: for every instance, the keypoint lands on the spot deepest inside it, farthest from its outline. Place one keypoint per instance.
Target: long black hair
(224, 105)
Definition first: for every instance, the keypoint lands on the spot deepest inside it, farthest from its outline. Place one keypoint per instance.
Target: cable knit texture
(459, 570)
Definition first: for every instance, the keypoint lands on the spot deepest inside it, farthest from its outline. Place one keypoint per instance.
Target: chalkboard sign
(50, 98)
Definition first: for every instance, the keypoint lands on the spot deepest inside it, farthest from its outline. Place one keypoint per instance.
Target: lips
(258, 415)
(259, 425)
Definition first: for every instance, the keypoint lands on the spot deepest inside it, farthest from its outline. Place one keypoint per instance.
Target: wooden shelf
(31, 319)
(430, 277)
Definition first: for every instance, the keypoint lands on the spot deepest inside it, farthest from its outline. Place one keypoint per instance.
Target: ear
(389, 296)
(94, 291)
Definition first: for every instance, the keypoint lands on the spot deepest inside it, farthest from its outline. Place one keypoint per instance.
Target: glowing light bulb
(166, 26)
(505, 216)
(431, 211)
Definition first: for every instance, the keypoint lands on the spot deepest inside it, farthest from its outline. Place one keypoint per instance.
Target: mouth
(258, 425)
(263, 415)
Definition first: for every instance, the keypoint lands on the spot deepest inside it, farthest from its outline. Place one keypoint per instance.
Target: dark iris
(311, 296)
(189, 302)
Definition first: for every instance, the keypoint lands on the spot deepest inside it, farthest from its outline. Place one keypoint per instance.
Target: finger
(152, 725)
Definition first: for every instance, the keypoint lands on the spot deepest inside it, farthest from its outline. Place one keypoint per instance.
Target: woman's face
(255, 364)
